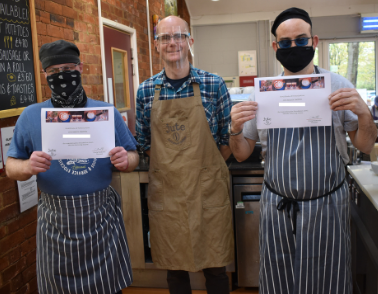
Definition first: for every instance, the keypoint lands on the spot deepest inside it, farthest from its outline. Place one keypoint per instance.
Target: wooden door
(119, 73)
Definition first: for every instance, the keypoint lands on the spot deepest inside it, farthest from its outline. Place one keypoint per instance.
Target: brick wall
(75, 21)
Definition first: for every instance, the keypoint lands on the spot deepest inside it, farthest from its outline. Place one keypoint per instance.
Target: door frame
(130, 31)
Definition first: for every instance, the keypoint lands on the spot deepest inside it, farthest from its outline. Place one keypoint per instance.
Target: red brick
(3, 232)
(10, 197)
(23, 290)
(68, 35)
(14, 269)
(69, 3)
(6, 184)
(53, 7)
(30, 230)
(17, 283)
(88, 90)
(80, 26)
(89, 19)
(68, 12)
(57, 20)
(84, 48)
(29, 273)
(78, 5)
(45, 17)
(41, 28)
(55, 31)
(14, 255)
(39, 4)
(11, 241)
(61, 2)
(31, 256)
(9, 212)
(3, 262)
(33, 285)
(6, 289)
(92, 2)
(28, 216)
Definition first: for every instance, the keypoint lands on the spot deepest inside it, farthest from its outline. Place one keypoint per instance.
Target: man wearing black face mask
(309, 251)
(81, 238)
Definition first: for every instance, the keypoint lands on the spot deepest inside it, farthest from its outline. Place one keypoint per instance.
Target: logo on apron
(176, 134)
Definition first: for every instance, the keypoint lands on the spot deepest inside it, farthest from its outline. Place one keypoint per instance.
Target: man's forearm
(225, 151)
(17, 169)
(365, 135)
(240, 147)
(133, 158)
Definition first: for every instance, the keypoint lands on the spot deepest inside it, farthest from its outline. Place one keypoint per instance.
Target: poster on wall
(170, 7)
(28, 193)
(6, 139)
(247, 63)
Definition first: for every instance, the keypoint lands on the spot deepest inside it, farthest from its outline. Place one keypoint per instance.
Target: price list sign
(17, 70)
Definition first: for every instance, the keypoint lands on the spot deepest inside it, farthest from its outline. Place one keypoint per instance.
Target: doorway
(120, 70)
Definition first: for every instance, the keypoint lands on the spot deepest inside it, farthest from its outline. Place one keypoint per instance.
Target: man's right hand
(241, 113)
(39, 162)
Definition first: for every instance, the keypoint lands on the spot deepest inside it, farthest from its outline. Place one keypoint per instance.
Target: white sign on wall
(28, 193)
(247, 63)
(6, 139)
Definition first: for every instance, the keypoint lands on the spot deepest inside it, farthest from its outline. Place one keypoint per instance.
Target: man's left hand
(348, 99)
(119, 158)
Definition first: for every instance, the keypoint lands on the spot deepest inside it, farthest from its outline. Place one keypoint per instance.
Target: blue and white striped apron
(304, 163)
(81, 244)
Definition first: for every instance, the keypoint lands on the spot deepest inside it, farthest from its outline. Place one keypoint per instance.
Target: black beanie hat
(58, 52)
(289, 14)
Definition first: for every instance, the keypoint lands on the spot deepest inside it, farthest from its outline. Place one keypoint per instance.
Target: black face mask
(66, 89)
(64, 83)
(295, 58)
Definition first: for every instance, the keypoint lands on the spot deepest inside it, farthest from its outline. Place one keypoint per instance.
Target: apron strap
(288, 202)
(157, 92)
(196, 89)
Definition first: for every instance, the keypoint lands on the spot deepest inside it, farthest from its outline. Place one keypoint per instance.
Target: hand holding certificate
(78, 132)
(293, 101)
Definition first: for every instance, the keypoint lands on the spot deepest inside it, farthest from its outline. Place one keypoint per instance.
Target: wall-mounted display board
(20, 83)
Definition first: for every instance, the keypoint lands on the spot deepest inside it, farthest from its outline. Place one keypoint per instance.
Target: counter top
(366, 179)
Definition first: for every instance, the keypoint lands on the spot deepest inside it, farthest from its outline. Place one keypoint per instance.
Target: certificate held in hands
(293, 101)
(78, 132)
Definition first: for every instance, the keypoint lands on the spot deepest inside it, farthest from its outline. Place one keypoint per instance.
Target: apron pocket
(214, 186)
(176, 133)
(155, 190)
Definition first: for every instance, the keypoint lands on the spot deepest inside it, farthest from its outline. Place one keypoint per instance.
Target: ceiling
(198, 8)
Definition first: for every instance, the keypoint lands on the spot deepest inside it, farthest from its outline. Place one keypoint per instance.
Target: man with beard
(182, 123)
(309, 251)
(81, 238)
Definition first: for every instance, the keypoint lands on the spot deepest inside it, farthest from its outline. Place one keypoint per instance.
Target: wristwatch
(233, 134)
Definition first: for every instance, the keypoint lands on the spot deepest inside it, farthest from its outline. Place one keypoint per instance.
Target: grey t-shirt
(343, 120)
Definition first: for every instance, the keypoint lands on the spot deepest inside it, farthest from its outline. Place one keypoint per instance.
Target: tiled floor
(133, 290)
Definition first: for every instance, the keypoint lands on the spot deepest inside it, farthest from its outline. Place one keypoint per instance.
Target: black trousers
(216, 281)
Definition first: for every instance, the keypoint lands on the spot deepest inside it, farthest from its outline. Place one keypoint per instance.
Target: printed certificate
(293, 101)
(77, 132)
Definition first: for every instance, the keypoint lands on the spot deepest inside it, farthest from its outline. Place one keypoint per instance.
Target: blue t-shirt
(71, 176)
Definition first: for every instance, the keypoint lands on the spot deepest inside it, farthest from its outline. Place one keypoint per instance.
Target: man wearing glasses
(182, 124)
(81, 238)
(309, 251)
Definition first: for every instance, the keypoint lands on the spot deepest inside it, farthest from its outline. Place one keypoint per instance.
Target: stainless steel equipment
(247, 193)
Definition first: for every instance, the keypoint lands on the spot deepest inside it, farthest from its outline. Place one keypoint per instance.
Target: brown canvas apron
(188, 194)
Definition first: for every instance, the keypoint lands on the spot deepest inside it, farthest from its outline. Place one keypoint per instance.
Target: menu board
(19, 74)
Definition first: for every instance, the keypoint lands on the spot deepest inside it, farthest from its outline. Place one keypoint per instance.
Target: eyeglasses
(300, 42)
(166, 38)
(55, 70)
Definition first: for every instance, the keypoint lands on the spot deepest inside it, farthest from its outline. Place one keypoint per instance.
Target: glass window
(356, 61)
(120, 79)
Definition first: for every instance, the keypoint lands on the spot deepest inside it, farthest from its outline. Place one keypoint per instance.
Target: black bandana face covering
(66, 89)
(295, 58)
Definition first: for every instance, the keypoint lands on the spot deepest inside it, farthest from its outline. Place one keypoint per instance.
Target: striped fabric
(81, 244)
(304, 163)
